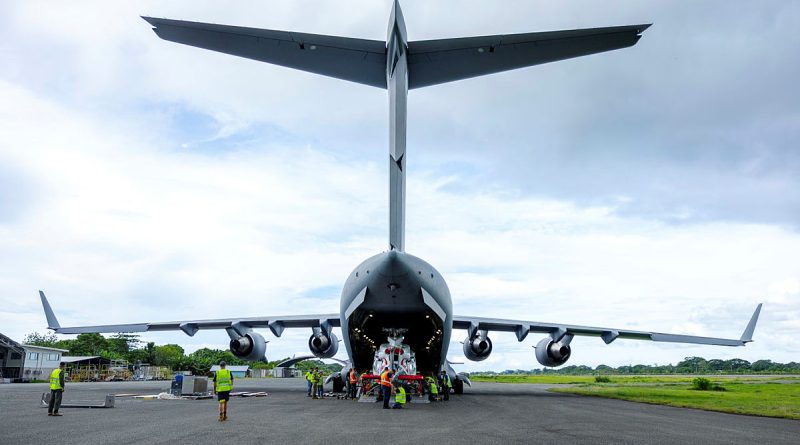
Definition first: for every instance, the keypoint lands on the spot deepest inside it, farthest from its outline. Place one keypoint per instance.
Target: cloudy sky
(654, 188)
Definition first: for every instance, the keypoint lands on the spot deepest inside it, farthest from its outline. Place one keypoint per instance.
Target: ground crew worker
(309, 380)
(399, 397)
(223, 385)
(352, 380)
(56, 390)
(446, 384)
(320, 384)
(433, 389)
(386, 386)
(314, 382)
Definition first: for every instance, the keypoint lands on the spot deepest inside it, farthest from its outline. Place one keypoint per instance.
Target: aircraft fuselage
(396, 290)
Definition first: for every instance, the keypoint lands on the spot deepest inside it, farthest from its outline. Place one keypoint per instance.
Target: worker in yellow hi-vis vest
(56, 390)
(223, 385)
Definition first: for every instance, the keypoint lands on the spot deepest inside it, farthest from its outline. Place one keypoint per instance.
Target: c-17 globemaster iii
(394, 295)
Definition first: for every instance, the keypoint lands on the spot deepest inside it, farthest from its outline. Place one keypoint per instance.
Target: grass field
(769, 395)
(622, 379)
(760, 399)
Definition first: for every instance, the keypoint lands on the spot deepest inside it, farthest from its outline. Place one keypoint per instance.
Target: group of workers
(315, 379)
(433, 387)
(223, 385)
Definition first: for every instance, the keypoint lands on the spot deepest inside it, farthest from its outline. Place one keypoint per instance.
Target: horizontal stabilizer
(431, 62)
(356, 60)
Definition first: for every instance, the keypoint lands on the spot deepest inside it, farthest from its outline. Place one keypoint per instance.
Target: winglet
(747, 335)
(52, 321)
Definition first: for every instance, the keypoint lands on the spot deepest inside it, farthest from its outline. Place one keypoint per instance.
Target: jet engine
(250, 347)
(552, 353)
(323, 346)
(477, 348)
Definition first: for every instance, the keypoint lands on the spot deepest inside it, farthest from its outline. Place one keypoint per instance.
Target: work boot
(224, 416)
(220, 418)
(58, 414)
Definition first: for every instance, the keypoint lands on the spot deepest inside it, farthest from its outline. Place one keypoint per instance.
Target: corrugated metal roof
(78, 358)
(232, 368)
(44, 347)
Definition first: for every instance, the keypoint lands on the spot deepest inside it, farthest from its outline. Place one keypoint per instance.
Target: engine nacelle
(478, 348)
(250, 347)
(323, 346)
(551, 353)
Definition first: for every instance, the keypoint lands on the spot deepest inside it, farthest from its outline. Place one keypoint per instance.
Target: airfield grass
(758, 399)
(769, 395)
(622, 379)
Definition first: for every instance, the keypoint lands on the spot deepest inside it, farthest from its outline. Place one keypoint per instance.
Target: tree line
(689, 365)
(130, 348)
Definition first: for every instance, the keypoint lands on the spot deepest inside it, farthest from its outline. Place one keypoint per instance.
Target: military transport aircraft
(395, 295)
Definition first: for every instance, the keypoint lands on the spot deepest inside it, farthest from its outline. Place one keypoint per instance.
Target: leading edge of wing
(357, 60)
(275, 323)
(522, 328)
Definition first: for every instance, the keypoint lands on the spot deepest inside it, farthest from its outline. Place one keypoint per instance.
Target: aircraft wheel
(458, 386)
(338, 384)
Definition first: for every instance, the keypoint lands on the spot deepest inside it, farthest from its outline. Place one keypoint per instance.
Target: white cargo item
(194, 385)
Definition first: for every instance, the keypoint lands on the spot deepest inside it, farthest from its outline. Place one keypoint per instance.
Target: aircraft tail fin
(52, 321)
(432, 62)
(747, 335)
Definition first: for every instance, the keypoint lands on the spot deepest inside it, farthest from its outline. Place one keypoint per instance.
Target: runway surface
(486, 413)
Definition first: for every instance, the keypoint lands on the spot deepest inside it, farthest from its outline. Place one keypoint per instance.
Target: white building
(40, 361)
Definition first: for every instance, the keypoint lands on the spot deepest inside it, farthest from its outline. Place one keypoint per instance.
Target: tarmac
(486, 413)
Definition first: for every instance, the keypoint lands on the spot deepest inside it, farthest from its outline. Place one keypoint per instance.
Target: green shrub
(602, 379)
(701, 384)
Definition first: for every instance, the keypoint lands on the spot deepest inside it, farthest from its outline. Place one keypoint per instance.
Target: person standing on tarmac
(310, 380)
(56, 390)
(320, 384)
(223, 385)
(352, 383)
(386, 386)
(446, 384)
(314, 382)
(433, 389)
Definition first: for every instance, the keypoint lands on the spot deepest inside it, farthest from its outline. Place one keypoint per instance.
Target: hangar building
(20, 362)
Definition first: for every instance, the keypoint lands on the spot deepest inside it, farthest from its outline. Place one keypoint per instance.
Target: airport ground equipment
(107, 403)
(394, 289)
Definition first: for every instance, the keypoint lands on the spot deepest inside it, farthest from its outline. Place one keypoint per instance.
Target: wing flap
(357, 60)
(432, 62)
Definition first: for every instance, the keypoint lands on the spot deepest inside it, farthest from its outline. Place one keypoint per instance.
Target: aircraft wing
(356, 60)
(558, 331)
(190, 327)
(431, 62)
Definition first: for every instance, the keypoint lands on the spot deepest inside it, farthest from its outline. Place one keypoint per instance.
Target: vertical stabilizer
(397, 84)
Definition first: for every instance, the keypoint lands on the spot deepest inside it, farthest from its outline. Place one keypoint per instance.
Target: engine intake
(250, 347)
(323, 346)
(478, 348)
(551, 353)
